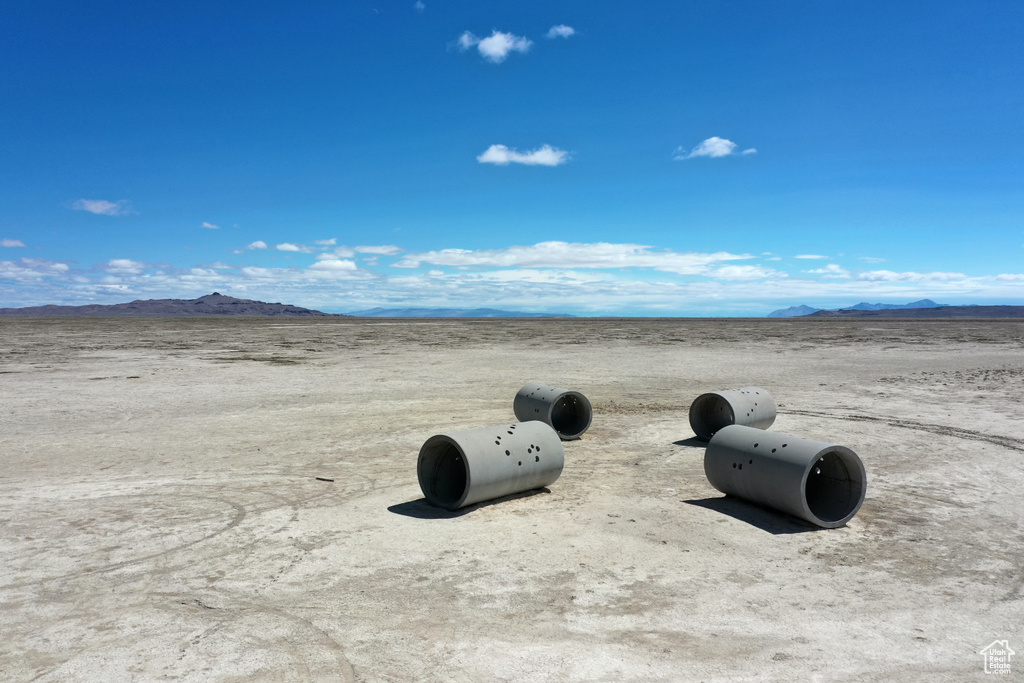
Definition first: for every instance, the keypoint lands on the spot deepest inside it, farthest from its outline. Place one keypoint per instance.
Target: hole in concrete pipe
(445, 468)
(571, 415)
(836, 491)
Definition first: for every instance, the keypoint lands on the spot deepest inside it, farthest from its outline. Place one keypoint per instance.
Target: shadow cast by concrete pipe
(421, 508)
(763, 518)
(694, 441)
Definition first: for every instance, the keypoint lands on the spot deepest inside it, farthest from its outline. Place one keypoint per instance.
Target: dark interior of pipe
(446, 476)
(834, 486)
(570, 416)
(710, 413)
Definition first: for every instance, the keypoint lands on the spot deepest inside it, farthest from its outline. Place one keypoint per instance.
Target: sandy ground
(160, 516)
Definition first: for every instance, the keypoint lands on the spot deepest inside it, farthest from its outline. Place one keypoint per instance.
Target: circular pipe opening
(443, 473)
(834, 489)
(708, 414)
(571, 415)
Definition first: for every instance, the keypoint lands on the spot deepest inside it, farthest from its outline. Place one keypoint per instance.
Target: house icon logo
(997, 657)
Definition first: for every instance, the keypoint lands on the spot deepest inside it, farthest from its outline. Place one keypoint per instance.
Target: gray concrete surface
(161, 516)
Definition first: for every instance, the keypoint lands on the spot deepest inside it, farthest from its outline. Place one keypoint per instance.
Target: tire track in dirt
(296, 652)
(941, 430)
(358, 487)
(240, 514)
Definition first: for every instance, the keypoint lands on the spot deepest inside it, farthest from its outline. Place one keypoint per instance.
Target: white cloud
(11, 243)
(744, 273)
(419, 6)
(536, 275)
(326, 243)
(467, 40)
(872, 259)
(831, 270)
(810, 256)
(890, 276)
(258, 244)
(544, 156)
(582, 278)
(211, 226)
(380, 250)
(289, 246)
(203, 272)
(102, 207)
(496, 47)
(338, 252)
(573, 255)
(31, 270)
(124, 266)
(560, 31)
(334, 265)
(713, 147)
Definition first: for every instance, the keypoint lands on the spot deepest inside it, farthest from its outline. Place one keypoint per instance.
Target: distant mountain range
(211, 304)
(925, 308)
(451, 313)
(793, 312)
(937, 312)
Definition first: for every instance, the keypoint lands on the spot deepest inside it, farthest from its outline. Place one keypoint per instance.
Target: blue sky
(690, 158)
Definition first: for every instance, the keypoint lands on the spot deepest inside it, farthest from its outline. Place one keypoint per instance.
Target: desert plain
(231, 499)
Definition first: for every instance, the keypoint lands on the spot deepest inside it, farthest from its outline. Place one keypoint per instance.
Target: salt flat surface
(160, 516)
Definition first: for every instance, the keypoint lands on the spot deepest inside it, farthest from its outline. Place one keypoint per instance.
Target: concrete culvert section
(834, 488)
(821, 483)
(567, 412)
(749, 406)
(442, 472)
(461, 468)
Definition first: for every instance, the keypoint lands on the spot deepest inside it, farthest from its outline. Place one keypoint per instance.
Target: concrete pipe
(462, 468)
(819, 482)
(749, 406)
(568, 412)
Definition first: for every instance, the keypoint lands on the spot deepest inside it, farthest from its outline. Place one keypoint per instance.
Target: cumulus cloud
(560, 31)
(744, 273)
(11, 243)
(258, 244)
(496, 47)
(600, 278)
(467, 40)
(574, 255)
(326, 243)
(713, 147)
(289, 246)
(831, 270)
(544, 156)
(211, 226)
(338, 252)
(334, 265)
(31, 270)
(380, 250)
(419, 6)
(891, 276)
(102, 207)
(124, 266)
